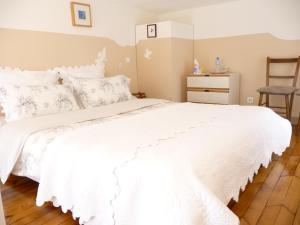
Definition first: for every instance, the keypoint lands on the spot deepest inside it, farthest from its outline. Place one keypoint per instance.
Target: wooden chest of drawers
(214, 89)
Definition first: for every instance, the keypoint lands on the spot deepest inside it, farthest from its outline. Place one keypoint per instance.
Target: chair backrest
(293, 77)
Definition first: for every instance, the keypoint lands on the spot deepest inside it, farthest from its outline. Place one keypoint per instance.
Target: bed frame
(2, 217)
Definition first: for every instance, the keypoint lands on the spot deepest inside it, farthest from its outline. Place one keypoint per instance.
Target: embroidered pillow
(24, 101)
(94, 92)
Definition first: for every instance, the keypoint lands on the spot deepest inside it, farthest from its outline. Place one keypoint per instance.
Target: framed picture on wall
(81, 14)
(151, 31)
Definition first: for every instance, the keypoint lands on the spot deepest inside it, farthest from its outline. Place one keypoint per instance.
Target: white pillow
(26, 101)
(89, 71)
(98, 92)
(18, 77)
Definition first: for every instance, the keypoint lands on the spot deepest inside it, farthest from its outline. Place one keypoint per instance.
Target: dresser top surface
(213, 75)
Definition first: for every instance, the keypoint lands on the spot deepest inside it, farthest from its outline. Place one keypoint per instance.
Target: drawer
(208, 82)
(208, 97)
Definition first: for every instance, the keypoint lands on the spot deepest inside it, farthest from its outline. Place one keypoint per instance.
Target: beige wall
(247, 55)
(183, 62)
(36, 50)
(163, 74)
(154, 72)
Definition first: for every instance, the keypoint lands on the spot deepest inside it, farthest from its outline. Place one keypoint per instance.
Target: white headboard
(97, 67)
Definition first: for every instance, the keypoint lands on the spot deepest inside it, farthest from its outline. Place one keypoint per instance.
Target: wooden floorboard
(273, 198)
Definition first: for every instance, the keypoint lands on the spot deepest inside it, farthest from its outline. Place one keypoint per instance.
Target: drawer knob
(206, 90)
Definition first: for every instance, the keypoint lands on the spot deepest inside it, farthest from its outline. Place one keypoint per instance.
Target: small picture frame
(151, 31)
(81, 14)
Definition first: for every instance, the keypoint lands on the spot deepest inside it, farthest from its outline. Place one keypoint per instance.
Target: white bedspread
(14, 135)
(175, 165)
(29, 161)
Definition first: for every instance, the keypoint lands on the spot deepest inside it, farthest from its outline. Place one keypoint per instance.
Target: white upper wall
(278, 17)
(161, 6)
(109, 20)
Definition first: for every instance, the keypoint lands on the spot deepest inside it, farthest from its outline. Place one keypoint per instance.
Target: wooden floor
(272, 199)
(19, 205)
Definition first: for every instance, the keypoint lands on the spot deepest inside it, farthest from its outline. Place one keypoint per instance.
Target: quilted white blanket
(175, 165)
(14, 135)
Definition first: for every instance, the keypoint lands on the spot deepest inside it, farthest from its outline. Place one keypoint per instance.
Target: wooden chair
(298, 125)
(287, 91)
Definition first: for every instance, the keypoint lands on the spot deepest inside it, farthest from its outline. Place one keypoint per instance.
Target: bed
(118, 160)
(144, 161)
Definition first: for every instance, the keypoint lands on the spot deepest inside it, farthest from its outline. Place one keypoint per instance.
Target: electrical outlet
(250, 100)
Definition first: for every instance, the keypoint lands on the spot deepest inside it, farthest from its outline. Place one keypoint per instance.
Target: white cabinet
(214, 89)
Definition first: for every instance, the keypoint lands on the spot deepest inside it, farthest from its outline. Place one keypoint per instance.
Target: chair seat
(277, 90)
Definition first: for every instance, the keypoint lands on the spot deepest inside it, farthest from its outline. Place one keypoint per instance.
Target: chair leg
(291, 104)
(298, 126)
(2, 216)
(267, 100)
(287, 105)
(260, 99)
